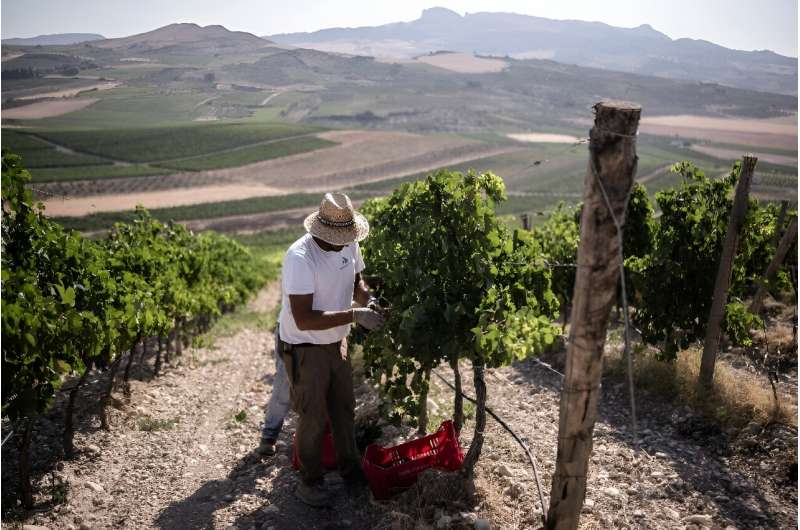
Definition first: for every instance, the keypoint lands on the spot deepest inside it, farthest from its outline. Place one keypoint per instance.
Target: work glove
(368, 318)
(373, 304)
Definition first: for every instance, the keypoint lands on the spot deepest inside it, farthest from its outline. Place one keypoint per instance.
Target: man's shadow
(272, 480)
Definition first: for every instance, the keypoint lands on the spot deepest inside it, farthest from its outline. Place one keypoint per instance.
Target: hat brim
(335, 235)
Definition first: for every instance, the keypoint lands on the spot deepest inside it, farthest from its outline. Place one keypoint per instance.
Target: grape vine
(674, 282)
(70, 303)
(459, 283)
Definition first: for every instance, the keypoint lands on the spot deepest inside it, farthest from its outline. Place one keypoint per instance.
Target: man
(321, 279)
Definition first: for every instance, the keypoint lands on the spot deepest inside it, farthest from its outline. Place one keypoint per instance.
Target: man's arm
(361, 292)
(308, 319)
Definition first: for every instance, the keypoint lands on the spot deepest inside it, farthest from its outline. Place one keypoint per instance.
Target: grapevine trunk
(476, 446)
(107, 393)
(69, 429)
(458, 400)
(25, 465)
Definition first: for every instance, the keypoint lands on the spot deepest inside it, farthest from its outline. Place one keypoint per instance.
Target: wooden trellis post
(789, 237)
(723, 281)
(612, 165)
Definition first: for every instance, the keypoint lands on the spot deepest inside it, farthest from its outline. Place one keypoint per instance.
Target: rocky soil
(181, 455)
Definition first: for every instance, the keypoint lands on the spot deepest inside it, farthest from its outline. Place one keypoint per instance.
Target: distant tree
(69, 71)
(20, 73)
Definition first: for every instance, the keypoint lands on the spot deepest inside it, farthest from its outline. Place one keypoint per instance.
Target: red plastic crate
(328, 450)
(391, 470)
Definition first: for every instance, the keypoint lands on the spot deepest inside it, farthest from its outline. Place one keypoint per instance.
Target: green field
(254, 205)
(249, 155)
(151, 144)
(53, 174)
(36, 153)
(129, 106)
(179, 147)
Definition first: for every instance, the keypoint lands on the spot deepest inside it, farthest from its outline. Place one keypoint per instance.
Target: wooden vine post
(723, 281)
(789, 237)
(612, 162)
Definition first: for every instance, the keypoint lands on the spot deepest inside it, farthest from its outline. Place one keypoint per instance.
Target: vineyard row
(70, 303)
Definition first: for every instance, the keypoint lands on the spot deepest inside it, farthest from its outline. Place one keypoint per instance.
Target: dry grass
(737, 397)
(434, 493)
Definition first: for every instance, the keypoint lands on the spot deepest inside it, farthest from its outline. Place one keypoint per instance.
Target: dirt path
(178, 477)
(644, 179)
(269, 98)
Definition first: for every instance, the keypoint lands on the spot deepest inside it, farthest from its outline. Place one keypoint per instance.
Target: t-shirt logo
(344, 263)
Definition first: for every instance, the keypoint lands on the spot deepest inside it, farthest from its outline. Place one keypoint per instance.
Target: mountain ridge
(54, 39)
(641, 49)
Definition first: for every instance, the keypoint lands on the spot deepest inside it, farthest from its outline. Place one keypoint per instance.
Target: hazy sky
(740, 24)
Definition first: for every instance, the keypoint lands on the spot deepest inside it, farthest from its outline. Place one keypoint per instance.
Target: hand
(368, 318)
(373, 304)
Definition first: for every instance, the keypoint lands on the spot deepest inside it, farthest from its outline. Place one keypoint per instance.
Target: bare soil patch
(47, 109)
(464, 63)
(778, 133)
(733, 154)
(155, 199)
(770, 125)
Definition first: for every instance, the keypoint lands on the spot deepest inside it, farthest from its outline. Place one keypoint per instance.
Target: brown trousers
(322, 389)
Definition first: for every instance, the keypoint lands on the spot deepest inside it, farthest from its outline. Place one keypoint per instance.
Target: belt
(287, 346)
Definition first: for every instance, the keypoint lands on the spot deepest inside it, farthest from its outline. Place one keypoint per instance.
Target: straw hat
(337, 222)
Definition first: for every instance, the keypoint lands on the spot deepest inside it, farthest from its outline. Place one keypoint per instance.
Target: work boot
(267, 447)
(314, 495)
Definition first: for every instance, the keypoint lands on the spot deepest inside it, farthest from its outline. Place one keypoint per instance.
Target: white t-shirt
(329, 276)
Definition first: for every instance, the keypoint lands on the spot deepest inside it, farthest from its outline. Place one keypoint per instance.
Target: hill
(641, 50)
(185, 34)
(56, 39)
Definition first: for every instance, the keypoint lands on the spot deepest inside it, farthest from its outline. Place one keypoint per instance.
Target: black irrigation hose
(7, 438)
(521, 443)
